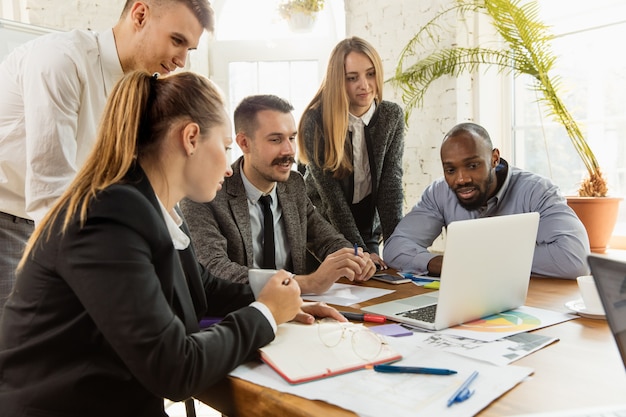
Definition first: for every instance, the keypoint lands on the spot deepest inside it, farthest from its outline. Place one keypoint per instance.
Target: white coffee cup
(258, 278)
(589, 293)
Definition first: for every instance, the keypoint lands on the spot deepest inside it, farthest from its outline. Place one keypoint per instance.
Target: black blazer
(103, 320)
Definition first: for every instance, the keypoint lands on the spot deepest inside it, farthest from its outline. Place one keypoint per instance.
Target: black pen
(412, 370)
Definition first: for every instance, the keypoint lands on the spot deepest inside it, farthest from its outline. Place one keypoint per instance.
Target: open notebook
(302, 353)
(486, 269)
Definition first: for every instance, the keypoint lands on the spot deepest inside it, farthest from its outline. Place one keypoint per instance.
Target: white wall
(387, 24)
(64, 14)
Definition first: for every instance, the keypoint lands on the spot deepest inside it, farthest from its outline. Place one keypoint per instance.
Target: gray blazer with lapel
(221, 233)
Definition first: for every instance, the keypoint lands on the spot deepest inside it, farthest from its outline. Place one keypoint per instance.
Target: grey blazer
(384, 137)
(221, 233)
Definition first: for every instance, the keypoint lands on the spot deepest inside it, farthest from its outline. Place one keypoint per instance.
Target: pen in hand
(286, 281)
(356, 249)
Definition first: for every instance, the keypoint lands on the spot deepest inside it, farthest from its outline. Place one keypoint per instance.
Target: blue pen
(356, 249)
(463, 393)
(412, 370)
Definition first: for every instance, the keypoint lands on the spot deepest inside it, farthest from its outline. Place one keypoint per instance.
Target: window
(593, 86)
(256, 53)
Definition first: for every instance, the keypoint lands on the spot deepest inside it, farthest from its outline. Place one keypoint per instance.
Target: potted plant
(527, 51)
(300, 14)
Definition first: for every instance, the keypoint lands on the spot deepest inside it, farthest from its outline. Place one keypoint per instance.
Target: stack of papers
(465, 350)
(370, 393)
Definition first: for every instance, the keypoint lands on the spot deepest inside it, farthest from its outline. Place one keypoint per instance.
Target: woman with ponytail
(103, 318)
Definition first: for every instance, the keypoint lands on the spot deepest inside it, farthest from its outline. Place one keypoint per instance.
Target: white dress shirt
(281, 248)
(181, 241)
(53, 92)
(360, 158)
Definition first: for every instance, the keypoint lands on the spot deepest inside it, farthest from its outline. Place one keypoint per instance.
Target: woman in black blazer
(103, 319)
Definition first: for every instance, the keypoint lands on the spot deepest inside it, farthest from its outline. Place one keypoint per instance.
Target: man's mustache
(286, 159)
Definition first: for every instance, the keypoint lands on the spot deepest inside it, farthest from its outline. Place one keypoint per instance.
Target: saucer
(578, 306)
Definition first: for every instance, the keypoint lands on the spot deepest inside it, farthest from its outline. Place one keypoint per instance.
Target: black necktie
(269, 261)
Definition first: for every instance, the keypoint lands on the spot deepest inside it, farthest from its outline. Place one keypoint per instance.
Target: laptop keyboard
(426, 314)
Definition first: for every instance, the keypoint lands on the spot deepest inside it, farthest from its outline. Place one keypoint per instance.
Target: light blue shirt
(562, 242)
(281, 249)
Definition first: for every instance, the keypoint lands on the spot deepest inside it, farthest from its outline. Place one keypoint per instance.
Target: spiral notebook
(299, 354)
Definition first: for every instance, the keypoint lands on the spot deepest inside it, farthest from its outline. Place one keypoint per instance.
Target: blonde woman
(352, 143)
(103, 319)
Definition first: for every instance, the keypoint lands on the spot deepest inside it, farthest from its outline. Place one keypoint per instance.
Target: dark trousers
(14, 233)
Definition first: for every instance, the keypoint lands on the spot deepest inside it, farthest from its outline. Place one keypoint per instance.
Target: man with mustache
(228, 232)
(478, 183)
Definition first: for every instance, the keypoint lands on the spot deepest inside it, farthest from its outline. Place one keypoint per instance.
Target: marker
(463, 393)
(371, 318)
(412, 370)
(356, 249)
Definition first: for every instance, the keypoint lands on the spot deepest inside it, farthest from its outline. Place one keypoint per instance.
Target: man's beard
(482, 197)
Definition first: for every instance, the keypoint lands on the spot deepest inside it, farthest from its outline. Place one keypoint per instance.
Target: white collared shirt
(181, 241)
(53, 92)
(360, 158)
(282, 251)
(173, 223)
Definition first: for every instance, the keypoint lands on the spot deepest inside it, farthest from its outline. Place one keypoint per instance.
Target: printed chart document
(499, 352)
(508, 323)
(305, 352)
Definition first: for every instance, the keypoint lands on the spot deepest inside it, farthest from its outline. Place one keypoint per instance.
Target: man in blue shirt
(478, 183)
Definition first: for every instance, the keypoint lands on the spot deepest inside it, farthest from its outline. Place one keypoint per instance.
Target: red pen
(372, 318)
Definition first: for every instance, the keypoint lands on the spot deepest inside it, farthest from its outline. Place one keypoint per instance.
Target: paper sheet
(369, 393)
(346, 294)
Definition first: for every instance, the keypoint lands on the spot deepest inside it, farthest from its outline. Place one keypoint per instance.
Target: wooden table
(582, 369)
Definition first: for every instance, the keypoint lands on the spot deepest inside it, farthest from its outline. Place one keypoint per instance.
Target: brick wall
(387, 24)
(71, 14)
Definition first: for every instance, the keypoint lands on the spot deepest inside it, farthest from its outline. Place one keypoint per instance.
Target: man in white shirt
(54, 89)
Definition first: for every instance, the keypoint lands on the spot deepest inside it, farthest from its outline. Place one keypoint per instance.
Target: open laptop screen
(610, 277)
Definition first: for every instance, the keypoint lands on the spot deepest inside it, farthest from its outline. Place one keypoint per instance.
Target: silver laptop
(486, 270)
(610, 277)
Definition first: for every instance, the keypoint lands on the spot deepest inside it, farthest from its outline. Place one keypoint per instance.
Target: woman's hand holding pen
(281, 295)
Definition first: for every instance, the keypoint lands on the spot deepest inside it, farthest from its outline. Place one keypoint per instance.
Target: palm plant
(528, 52)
